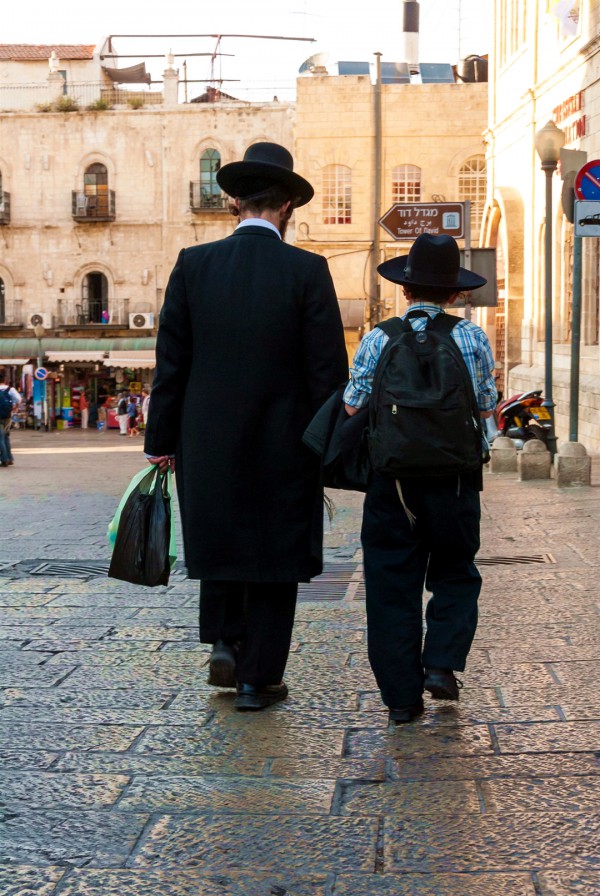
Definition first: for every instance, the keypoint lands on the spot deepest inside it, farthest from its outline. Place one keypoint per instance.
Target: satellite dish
(313, 62)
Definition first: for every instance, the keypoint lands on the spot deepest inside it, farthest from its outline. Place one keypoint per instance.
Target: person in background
(132, 415)
(84, 409)
(122, 415)
(9, 399)
(145, 406)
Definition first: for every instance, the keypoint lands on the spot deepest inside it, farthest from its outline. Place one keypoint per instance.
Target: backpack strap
(393, 326)
(444, 323)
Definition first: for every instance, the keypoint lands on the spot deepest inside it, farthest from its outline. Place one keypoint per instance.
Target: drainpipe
(374, 287)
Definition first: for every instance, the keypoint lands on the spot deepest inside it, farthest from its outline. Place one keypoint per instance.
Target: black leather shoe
(401, 714)
(251, 698)
(221, 666)
(442, 684)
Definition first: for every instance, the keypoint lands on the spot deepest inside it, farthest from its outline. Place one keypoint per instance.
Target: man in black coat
(250, 344)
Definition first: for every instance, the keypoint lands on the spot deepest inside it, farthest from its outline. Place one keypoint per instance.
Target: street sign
(587, 218)
(40, 373)
(408, 220)
(587, 182)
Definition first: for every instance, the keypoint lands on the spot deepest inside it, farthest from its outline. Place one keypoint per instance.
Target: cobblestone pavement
(121, 772)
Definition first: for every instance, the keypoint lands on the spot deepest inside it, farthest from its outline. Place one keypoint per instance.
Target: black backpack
(423, 415)
(6, 404)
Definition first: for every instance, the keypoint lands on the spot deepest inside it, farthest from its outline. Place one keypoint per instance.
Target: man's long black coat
(250, 344)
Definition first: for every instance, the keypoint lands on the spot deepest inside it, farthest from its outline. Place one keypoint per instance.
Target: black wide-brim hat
(432, 261)
(263, 165)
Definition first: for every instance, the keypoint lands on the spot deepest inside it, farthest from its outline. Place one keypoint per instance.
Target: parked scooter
(521, 418)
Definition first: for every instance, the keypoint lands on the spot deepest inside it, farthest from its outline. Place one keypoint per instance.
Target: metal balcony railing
(94, 312)
(99, 207)
(202, 200)
(4, 208)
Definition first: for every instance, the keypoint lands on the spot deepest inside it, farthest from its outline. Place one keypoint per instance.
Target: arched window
(210, 191)
(472, 185)
(94, 297)
(337, 194)
(2, 302)
(406, 183)
(95, 189)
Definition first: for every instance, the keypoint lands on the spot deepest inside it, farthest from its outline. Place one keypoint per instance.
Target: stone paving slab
(195, 764)
(26, 881)
(481, 843)
(300, 844)
(103, 839)
(477, 884)
(228, 795)
(512, 768)
(30, 736)
(459, 741)
(569, 883)
(245, 741)
(559, 795)
(81, 882)
(420, 798)
(40, 790)
(548, 737)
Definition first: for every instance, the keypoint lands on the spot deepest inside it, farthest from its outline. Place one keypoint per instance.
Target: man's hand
(163, 463)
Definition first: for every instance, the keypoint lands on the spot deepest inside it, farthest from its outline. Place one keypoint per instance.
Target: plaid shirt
(471, 340)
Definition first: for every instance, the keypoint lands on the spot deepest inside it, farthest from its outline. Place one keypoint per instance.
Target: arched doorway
(94, 294)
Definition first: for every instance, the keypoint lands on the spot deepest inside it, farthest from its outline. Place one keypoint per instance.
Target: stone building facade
(97, 202)
(544, 67)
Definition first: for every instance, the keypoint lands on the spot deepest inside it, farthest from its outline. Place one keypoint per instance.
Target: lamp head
(39, 331)
(549, 141)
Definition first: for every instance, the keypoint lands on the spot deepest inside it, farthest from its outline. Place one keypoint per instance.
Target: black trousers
(437, 552)
(257, 615)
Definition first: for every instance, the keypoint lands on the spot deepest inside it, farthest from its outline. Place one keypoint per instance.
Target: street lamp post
(549, 141)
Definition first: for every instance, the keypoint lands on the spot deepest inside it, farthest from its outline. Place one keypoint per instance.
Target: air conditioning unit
(40, 318)
(141, 321)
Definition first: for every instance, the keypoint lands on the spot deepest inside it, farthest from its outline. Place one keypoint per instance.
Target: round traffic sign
(40, 373)
(587, 182)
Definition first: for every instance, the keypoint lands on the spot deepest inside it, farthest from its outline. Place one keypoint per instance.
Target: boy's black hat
(432, 261)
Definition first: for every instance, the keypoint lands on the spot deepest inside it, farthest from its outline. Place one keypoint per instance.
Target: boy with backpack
(428, 379)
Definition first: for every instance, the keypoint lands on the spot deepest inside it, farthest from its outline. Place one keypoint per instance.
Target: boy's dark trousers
(438, 553)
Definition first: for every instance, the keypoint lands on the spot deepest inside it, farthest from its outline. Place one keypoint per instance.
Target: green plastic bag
(141, 532)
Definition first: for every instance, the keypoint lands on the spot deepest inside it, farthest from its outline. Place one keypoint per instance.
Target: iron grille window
(472, 185)
(337, 194)
(406, 183)
(95, 191)
(210, 191)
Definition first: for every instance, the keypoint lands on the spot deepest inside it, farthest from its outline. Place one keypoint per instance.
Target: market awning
(140, 360)
(17, 348)
(14, 362)
(81, 355)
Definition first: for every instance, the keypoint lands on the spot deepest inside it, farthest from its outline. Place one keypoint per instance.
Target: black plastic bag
(141, 551)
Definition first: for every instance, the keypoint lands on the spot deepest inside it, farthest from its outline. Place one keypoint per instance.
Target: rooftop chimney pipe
(410, 28)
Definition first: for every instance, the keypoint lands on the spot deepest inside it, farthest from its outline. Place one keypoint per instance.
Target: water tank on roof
(473, 68)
